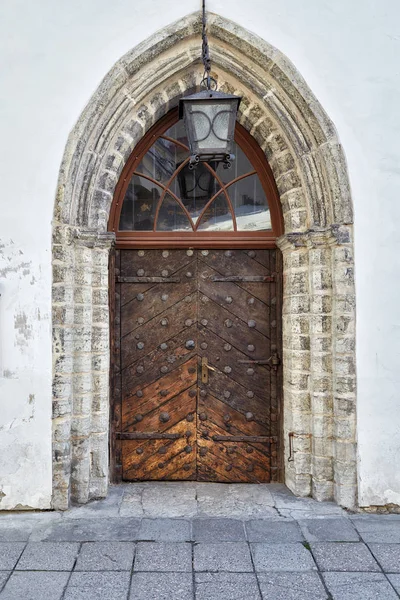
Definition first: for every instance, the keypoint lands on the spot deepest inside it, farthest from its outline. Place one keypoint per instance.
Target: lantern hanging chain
(207, 79)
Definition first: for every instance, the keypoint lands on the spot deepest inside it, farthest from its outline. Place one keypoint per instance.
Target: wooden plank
(242, 438)
(244, 278)
(148, 436)
(148, 279)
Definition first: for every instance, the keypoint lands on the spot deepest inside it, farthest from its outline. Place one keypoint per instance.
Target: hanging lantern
(209, 117)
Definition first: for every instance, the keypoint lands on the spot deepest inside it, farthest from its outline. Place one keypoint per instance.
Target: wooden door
(197, 346)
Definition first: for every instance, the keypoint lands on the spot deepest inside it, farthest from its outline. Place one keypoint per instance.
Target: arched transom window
(160, 197)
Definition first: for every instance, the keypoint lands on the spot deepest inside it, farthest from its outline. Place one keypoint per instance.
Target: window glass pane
(217, 216)
(139, 205)
(250, 204)
(195, 187)
(240, 166)
(171, 216)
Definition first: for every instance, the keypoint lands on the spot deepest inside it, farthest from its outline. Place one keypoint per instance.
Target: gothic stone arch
(308, 163)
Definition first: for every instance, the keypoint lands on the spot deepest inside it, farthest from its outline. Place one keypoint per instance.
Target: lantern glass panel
(211, 126)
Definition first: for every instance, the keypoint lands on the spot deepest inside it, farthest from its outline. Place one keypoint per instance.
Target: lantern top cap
(206, 95)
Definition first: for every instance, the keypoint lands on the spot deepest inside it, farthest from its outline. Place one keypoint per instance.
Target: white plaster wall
(53, 55)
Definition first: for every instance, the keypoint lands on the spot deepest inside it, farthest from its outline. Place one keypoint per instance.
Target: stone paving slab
(382, 529)
(347, 556)
(97, 586)
(291, 586)
(282, 557)
(226, 586)
(388, 556)
(329, 530)
(162, 586)
(163, 556)
(48, 556)
(218, 530)
(225, 556)
(35, 585)
(165, 530)
(395, 581)
(88, 530)
(106, 556)
(273, 531)
(9, 554)
(4, 575)
(359, 586)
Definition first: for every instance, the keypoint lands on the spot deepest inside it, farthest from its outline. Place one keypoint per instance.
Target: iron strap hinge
(148, 279)
(245, 279)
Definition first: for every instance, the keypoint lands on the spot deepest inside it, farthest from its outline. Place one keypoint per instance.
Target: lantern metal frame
(190, 106)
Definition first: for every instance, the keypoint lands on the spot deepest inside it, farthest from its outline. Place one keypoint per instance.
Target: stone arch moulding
(308, 163)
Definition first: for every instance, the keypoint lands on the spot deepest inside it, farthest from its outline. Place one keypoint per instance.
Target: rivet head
(251, 323)
(203, 345)
(228, 253)
(227, 418)
(140, 272)
(139, 450)
(164, 369)
(192, 370)
(250, 301)
(228, 323)
(227, 347)
(160, 465)
(229, 299)
(230, 450)
(251, 348)
(250, 468)
(165, 254)
(192, 393)
(164, 322)
(164, 273)
(188, 449)
(162, 450)
(250, 394)
(250, 371)
(164, 393)
(138, 418)
(137, 337)
(189, 274)
(228, 369)
(164, 297)
(204, 322)
(203, 393)
(140, 320)
(140, 252)
(190, 344)
(189, 433)
(249, 416)
(228, 468)
(140, 297)
(164, 417)
(188, 298)
(140, 346)
(189, 418)
(139, 394)
(273, 323)
(273, 300)
(252, 254)
(249, 450)
(187, 467)
(203, 416)
(204, 252)
(203, 451)
(164, 346)
(189, 252)
(188, 322)
(227, 394)
(140, 369)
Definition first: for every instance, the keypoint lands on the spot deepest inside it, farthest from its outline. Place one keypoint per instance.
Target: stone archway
(308, 163)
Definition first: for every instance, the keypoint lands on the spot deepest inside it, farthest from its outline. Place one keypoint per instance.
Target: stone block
(89, 529)
(105, 556)
(229, 586)
(163, 556)
(328, 530)
(165, 530)
(380, 529)
(38, 556)
(282, 557)
(358, 586)
(291, 586)
(225, 556)
(338, 556)
(161, 586)
(218, 530)
(273, 531)
(9, 554)
(98, 586)
(32, 585)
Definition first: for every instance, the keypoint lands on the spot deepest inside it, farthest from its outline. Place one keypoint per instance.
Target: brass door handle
(205, 367)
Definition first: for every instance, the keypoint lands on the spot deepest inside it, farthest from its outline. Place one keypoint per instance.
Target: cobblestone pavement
(182, 541)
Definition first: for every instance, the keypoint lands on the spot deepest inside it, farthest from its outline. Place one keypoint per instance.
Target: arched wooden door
(197, 335)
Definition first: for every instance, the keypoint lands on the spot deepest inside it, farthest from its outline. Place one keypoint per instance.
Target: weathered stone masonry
(301, 145)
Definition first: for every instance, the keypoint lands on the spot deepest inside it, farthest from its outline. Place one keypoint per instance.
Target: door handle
(205, 367)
